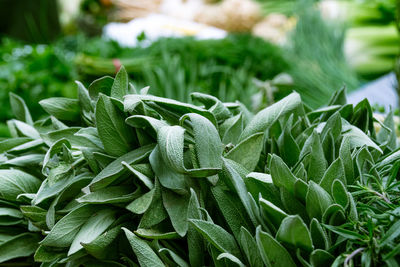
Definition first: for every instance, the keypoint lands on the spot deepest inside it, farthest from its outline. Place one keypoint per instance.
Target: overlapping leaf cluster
(120, 178)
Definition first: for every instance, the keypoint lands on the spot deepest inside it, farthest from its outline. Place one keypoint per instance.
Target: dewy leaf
(20, 110)
(247, 152)
(217, 236)
(120, 86)
(145, 255)
(15, 182)
(22, 245)
(115, 168)
(92, 228)
(272, 252)
(116, 136)
(62, 108)
(207, 141)
(177, 208)
(64, 231)
(268, 116)
(295, 233)
(317, 200)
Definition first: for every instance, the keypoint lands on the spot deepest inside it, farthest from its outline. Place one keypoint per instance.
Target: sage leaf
(145, 255)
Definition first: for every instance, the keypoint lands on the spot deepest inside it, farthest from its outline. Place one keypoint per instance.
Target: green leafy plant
(119, 177)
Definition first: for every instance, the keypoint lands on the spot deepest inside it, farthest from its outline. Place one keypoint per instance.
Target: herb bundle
(119, 177)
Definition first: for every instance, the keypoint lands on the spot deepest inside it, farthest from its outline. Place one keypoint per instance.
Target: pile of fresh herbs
(119, 177)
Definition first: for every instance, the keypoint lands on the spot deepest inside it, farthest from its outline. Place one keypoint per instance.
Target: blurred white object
(69, 10)
(381, 92)
(182, 9)
(155, 26)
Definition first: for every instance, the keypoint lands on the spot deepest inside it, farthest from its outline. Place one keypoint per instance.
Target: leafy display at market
(119, 177)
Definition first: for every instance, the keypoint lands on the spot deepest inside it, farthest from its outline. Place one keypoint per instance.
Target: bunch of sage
(119, 177)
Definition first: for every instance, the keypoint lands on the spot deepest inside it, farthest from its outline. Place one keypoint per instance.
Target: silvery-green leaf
(272, 252)
(233, 211)
(274, 213)
(261, 183)
(19, 108)
(171, 105)
(295, 233)
(339, 193)
(168, 177)
(233, 177)
(177, 260)
(109, 195)
(22, 245)
(145, 255)
(92, 228)
(247, 152)
(28, 160)
(217, 236)
(62, 108)
(140, 121)
(65, 230)
(25, 129)
(156, 234)
(249, 247)
(318, 235)
(119, 87)
(156, 212)
(195, 241)
(177, 209)
(357, 138)
(207, 141)
(317, 200)
(10, 143)
(213, 104)
(142, 203)
(15, 182)
(231, 258)
(231, 129)
(31, 145)
(268, 116)
(116, 136)
(145, 179)
(100, 247)
(100, 86)
(320, 258)
(115, 169)
(335, 171)
(317, 163)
